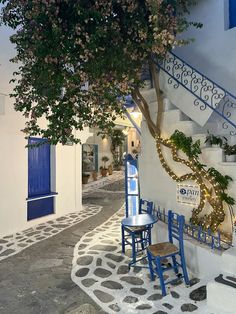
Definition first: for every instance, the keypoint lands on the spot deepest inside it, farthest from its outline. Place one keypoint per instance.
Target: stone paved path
(101, 270)
(38, 279)
(14, 243)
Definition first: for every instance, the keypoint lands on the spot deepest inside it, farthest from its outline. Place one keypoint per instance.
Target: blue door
(40, 200)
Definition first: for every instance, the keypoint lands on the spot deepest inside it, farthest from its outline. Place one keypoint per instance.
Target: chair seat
(136, 229)
(162, 249)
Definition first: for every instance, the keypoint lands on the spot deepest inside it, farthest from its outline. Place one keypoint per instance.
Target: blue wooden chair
(161, 251)
(138, 237)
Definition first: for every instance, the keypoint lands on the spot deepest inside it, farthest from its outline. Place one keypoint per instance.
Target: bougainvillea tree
(61, 44)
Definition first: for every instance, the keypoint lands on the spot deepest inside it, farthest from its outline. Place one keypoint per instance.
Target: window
(40, 201)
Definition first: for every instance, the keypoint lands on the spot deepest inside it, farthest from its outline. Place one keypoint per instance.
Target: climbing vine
(212, 183)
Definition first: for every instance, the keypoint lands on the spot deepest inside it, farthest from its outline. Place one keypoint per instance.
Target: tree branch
(159, 97)
(146, 114)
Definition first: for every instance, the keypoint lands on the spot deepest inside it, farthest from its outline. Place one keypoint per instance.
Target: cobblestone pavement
(38, 278)
(101, 270)
(14, 243)
(106, 182)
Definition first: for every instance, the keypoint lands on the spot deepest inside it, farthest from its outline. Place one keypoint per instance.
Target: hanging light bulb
(135, 113)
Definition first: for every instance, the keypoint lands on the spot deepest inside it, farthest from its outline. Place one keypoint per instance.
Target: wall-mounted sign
(188, 194)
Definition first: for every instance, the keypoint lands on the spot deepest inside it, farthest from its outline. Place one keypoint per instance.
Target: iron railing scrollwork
(207, 93)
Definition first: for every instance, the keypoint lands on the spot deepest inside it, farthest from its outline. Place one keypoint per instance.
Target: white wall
(213, 51)
(133, 138)
(14, 164)
(103, 146)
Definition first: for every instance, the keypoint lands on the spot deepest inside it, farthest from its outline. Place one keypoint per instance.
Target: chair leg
(161, 277)
(185, 272)
(123, 239)
(149, 255)
(175, 265)
(133, 248)
(149, 235)
(142, 241)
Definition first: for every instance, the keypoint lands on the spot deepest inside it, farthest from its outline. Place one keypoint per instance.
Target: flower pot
(94, 175)
(230, 158)
(104, 172)
(110, 170)
(85, 179)
(215, 146)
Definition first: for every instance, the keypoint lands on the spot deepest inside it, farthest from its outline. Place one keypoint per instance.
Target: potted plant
(110, 170)
(104, 169)
(85, 177)
(117, 165)
(230, 152)
(215, 140)
(94, 175)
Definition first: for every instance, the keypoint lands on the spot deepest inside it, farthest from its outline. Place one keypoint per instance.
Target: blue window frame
(131, 186)
(39, 176)
(40, 200)
(232, 13)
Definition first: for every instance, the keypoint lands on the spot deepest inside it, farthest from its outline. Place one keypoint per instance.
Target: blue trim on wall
(232, 13)
(40, 208)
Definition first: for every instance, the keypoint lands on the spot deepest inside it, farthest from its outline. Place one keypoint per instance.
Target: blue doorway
(40, 198)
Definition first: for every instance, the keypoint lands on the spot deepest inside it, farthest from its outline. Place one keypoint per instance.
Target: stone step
(149, 95)
(212, 155)
(221, 298)
(228, 168)
(187, 127)
(173, 116)
(168, 105)
(201, 137)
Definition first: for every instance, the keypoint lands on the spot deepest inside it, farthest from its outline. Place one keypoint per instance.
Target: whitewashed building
(32, 192)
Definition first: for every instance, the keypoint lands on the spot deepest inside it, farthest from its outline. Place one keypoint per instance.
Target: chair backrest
(146, 207)
(176, 227)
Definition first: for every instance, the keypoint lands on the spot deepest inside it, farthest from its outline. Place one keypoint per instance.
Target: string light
(201, 177)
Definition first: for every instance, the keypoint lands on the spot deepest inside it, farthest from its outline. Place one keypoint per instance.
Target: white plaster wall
(155, 184)
(133, 138)
(213, 51)
(14, 164)
(103, 146)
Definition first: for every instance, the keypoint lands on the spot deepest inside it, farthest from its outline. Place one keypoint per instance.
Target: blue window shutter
(232, 13)
(39, 178)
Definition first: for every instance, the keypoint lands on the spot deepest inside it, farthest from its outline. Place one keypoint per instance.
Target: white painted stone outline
(110, 230)
(93, 185)
(23, 239)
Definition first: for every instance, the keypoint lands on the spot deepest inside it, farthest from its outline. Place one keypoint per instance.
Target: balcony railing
(206, 92)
